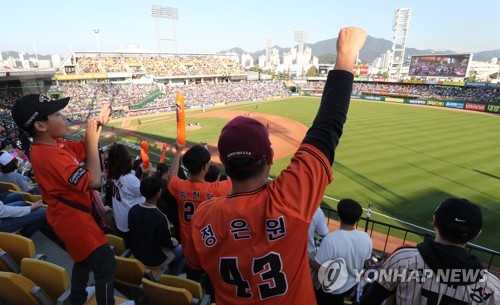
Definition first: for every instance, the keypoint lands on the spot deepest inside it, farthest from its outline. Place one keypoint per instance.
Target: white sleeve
(8, 211)
(133, 186)
(326, 250)
(321, 226)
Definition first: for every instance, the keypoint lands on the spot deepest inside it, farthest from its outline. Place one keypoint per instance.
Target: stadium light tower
(96, 32)
(301, 37)
(400, 28)
(158, 11)
(268, 50)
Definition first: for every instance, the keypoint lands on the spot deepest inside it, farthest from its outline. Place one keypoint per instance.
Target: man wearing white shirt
(15, 215)
(348, 247)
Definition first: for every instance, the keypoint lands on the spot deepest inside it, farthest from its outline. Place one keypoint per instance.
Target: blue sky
(55, 26)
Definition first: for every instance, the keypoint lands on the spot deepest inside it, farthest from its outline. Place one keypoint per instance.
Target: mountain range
(372, 49)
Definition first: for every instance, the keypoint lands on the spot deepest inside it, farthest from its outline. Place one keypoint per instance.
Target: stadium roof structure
(16, 74)
(290, 83)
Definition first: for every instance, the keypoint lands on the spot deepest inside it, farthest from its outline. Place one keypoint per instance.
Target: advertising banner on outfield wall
(417, 102)
(461, 84)
(448, 104)
(493, 108)
(477, 84)
(394, 99)
(374, 98)
(455, 105)
(413, 81)
(475, 107)
(435, 103)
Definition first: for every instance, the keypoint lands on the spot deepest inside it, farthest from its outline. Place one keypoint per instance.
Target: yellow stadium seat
(129, 273)
(10, 187)
(179, 282)
(17, 289)
(14, 188)
(54, 280)
(7, 264)
(18, 247)
(29, 198)
(161, 294)
(118, 245)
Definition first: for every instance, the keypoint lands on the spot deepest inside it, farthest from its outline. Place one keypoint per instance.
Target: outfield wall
(480, 107)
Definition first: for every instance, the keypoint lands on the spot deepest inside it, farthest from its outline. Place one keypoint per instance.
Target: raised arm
(329, 122)
(94, 128)
(174, 169)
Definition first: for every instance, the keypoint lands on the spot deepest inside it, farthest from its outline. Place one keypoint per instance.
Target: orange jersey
(254, 245)
(59, 173)
(190, 194)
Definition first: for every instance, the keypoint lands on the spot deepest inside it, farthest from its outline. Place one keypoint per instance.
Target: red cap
(244, 137)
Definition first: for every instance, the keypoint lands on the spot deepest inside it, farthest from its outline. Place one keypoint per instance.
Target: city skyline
(60, 27)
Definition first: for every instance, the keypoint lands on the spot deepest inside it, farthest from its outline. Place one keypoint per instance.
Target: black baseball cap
(458, 219)
(33, 107)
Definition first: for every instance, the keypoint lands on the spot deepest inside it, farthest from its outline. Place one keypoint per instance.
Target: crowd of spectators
(91, 96)
(452, 93)
(7, 99)
(210, 93)
(88, 97)
(88, 65)
(160, 66)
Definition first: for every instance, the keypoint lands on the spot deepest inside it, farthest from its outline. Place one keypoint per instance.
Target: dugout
(292, 87)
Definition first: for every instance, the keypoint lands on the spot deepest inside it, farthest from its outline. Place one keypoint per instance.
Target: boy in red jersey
(194, 190)
(253, 243)
(66, 185)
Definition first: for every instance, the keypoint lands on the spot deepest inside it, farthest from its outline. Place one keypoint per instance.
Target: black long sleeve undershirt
(327, 127)
(375, 294)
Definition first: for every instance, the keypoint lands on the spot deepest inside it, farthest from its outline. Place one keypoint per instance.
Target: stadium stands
(156, 65)
(440, 92)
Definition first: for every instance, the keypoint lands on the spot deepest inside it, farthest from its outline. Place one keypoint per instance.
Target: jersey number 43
(269, 267)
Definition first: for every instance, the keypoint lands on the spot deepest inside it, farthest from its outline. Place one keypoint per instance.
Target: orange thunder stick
(163, 153)
(181, 118)
(145, 154)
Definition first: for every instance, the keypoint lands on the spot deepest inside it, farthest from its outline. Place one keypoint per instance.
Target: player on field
(193, 191)
(253, 243)
(66, 189)
(439, 271)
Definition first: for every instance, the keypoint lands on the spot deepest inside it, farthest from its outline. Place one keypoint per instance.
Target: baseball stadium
(407, 145)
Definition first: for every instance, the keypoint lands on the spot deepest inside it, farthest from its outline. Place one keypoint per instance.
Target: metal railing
(485, 254)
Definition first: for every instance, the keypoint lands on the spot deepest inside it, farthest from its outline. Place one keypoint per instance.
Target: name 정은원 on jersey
(275, 228)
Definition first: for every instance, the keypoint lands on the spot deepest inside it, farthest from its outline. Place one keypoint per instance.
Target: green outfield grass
(403, 160)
